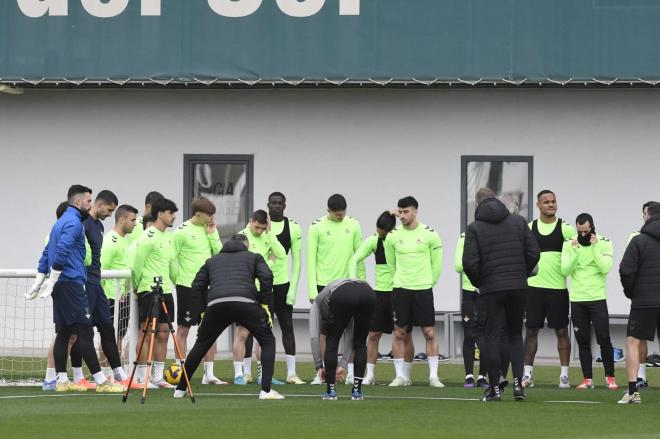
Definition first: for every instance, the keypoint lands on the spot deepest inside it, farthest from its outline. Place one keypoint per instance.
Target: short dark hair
(647, 204)
(162, 205)
(107, 197)
(583, 218)
(653, 209)
(152, 197)
(239, 237)
(408, 201)
(61, 208)
(544, 192)
(483, 194)
(204, 205)
(77, 189)
(276, 194)
(147, 219)
(386, 221)
(337, 202)
(124, 210)
(260, 216)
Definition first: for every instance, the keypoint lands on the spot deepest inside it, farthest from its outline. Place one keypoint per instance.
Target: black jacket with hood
(640, 267)
(500, 251)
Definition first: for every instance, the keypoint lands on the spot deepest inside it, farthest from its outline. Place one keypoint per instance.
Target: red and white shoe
(134, 384)
(587, 383)
(83, 382)
(611, 383)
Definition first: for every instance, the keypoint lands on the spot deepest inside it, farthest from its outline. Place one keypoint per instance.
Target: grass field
(410, 412)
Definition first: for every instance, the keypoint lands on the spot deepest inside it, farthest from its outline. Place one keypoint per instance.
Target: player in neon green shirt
(331, 243)
(289, 234)
(139, 225)
(265, 243)
(587, 258)
(468, 300)
(195, 241)
(414, 251)
(381, 320)
(154, 257)
(547, 296)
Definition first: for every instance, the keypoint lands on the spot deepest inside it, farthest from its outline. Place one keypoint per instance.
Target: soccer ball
(173, 374)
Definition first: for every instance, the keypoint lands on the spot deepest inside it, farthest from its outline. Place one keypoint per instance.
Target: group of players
(408, 264)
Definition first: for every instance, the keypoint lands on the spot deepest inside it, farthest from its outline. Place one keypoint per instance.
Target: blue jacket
(65, 251)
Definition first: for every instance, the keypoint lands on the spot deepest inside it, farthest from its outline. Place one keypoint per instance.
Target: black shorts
(381, 319)
(413, 308)
(144, 307)
(70, 306)
(643, 323)
(542, 303)
(467, 305)
(124, 306)
(186, 315)
(281, 308)
(98, 304)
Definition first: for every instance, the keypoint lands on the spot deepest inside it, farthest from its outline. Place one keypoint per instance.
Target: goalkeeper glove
(270, 318)
(47, 287)
(32, 293)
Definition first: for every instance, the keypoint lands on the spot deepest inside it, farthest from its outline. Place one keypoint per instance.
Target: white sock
(641, 373)
(238, 369)
(62, 377)
(351, 370)
(77, 374)
(178, 362)
(433, 366)
(159, 367)
(371, 368)
(407, 368)
(100, 378)
(141, 373)
(469, 376)
(50, 374)
(107, 371)
(398, 367)
(481, 377)
(247, 366)
(290, 365)
(564, 372)
(528, 371)
(208, 369)
(119, 374)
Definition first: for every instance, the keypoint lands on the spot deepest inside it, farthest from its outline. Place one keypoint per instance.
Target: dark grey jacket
(640, 267)
(232, 274)
(500, 251)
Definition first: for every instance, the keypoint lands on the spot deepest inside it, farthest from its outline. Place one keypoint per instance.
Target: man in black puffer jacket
(640, 277)
(225, 286)
(500, 254)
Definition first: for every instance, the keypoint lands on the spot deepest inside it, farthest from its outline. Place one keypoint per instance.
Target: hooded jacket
(230, 275)
(640, 267)
(500, 252)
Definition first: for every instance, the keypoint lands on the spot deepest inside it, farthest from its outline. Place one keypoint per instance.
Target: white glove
(47, 288)
(29, 295)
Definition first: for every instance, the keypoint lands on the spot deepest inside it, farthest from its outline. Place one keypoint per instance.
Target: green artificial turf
(407, 412)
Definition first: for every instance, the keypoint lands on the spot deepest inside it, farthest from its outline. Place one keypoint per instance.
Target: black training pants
(583, 316)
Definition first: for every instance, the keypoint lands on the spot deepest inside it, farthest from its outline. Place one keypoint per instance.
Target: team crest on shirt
(328, 233)
(419, 241)
(347, 231)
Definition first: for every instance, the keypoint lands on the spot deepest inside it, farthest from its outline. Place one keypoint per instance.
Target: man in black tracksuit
(640, 277)
(225, 289)
(500, 254)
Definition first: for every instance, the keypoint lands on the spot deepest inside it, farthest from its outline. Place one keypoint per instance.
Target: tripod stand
(151, 328)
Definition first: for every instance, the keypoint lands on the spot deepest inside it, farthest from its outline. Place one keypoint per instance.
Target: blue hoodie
(65, 250)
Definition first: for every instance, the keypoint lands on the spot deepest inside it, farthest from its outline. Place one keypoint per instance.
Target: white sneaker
(435, 382)
(349, 380)
(180, 393)
(408, 381)
(527, 381)
(563, 383)
(294, 379)
(213, 380)
(270, 395)
(317, 381)
(150, 385)
(248, 378)
(369, 381)
(399, 382)
(630, 399)
(161, 384)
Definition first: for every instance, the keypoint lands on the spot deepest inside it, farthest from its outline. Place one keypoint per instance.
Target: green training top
(330, 247)
(154, 256)
(114, 256)
(458, 265)
(192, 247)
(415, 255)
(264, 245)
(384, 273)
(281, 266)
(549, 275)
(137, 230)
(588, 267)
